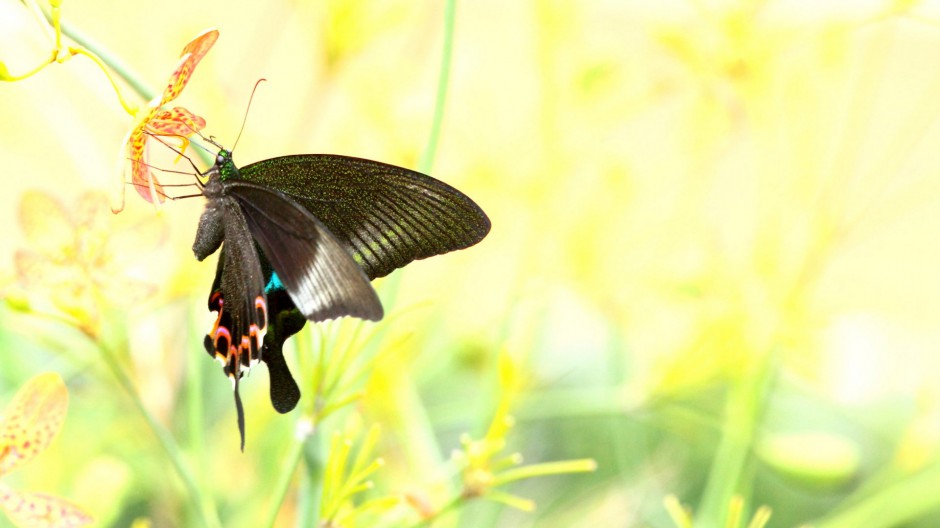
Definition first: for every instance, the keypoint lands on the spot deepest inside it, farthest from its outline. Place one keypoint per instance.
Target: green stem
(315, 457)
(746, 401)
(443, 81)
(291, 462)
(195, 412)
(201, 501)
(123, 70)
(296, 452)
(390, 286)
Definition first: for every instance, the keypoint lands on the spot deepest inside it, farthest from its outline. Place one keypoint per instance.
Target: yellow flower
(30, 423)
(152, 120)
(343, 481)
(485, 466)
(682, 517)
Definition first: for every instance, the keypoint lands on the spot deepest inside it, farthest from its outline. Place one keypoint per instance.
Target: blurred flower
(483, 466)
(341, 482)
(151, 120)
(30, 423)
(683, 518)
(73, 257)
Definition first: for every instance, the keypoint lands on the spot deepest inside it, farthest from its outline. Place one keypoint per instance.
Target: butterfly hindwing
(386, 216)
(284, 321)
(238, 293)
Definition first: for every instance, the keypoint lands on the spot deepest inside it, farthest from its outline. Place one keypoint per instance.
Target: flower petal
(36, 270)
(200, 45)
(38, 510)
(146, 184)
(176, 122)
(192, 54)
(32, 420)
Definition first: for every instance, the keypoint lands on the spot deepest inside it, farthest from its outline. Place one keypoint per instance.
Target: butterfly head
(225, 165)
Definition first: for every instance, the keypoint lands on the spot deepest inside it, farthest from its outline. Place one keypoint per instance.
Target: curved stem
(201, 502)
(443, 82)
(129, 108)
(5, 75)
(390, 287)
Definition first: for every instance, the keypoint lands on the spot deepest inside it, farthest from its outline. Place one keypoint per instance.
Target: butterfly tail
(240, 411)
(284, 390)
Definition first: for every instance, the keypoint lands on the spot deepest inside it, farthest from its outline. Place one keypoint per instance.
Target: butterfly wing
(386, 216)
(239, 298)
(238, 293)
(322, 279)
(285, 320)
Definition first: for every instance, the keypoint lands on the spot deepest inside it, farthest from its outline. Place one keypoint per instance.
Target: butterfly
(301, 238)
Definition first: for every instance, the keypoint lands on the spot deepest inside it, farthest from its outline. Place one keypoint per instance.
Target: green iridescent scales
(386, 215)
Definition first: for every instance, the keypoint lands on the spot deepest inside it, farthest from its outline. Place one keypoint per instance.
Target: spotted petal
(176, 122)
(38, 510)
(146, 184)
(192, 54)
(32, 420)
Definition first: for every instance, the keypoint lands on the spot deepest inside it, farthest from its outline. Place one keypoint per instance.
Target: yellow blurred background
(713, 263)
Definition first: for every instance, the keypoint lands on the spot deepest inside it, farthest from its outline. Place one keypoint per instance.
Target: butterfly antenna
(245, 119)
(176, 150)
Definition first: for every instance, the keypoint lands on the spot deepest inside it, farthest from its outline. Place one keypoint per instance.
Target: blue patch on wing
(274, 284)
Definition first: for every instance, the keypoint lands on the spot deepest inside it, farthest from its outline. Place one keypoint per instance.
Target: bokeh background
(713, 265)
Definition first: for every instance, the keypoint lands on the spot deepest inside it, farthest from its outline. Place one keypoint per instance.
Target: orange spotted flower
(29, 425)
(153, 119)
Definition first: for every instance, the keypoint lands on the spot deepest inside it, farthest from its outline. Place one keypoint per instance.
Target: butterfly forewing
(321, 277)
(386, 216)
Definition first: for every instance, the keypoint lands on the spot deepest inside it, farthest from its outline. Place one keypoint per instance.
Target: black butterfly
(301, 238)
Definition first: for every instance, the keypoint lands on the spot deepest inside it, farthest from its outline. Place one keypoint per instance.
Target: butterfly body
(301, 237)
